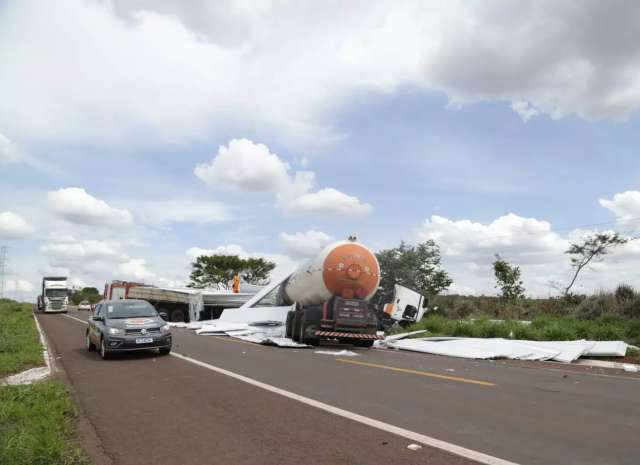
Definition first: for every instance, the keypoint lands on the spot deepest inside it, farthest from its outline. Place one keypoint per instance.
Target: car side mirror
(98, 318)
(163, 315)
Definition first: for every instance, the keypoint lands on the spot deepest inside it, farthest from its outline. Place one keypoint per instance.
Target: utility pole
(3, 268)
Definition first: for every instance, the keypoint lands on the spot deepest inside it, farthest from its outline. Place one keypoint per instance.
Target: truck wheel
(289, 326)
(295, 326)
(304, 338)
(177, 316)
(104, 353)
(366, 343)
(90, 345)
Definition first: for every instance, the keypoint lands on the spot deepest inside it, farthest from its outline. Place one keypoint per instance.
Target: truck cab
(55, 294)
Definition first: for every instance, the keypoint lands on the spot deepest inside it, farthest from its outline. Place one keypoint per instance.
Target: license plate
(144, 340)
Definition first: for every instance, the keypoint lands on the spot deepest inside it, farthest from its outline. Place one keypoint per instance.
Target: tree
(90, 294)
(416, 267)
(593, 247)
(508, 280)
(219, 270)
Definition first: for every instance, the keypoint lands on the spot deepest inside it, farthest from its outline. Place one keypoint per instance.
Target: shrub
(625, 293)
(596, 306)
(631, 308)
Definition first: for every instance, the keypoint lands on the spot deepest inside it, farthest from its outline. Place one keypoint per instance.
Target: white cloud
(8, 151)
(327, 202)
(163, 212)
(304, 244)
(468, 250)
(18, 285)
(13, 226)
(202, 67)
(75, 205)
(246, 166)
(530, 238)
(90, 260)
(625, 205)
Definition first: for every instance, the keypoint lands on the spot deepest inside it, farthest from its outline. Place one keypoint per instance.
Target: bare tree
(591, 248)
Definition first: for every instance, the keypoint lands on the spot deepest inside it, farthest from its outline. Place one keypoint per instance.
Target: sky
(136, 135)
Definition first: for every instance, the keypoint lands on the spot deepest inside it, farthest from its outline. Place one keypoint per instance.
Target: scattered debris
(26, 377)
(560, 351)
(414, 447)
(341, 353)
(396, 337)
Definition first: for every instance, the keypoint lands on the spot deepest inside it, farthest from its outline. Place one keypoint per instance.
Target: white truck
(55, 294)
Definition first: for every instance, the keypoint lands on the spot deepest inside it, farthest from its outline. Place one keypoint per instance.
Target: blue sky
(401, 123)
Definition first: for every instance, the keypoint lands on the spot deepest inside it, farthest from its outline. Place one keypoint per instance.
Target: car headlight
(165, 329)
(116, 331)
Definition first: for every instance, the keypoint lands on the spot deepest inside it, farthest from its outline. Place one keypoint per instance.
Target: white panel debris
(341, 353)
(560, 351)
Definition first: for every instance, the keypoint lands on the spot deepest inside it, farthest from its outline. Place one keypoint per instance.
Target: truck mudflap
(347, 335)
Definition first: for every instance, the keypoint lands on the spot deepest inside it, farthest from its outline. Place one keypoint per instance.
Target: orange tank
(346, 269)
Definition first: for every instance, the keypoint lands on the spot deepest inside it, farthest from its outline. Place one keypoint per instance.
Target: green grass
(36, 421)
(542, 328)
(36, 425)
(19, 342)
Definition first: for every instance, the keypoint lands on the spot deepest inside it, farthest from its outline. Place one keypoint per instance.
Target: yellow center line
(420, 373)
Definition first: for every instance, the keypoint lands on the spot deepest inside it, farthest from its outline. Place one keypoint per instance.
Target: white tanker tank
(346, 269)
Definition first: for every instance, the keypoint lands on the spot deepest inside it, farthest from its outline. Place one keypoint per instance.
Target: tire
(177, 316)
(104, 353)
(164, 350)
(295, 326)
(289, 325)
(303, 337)
(366, 343)
(90, 345)
(302, 327)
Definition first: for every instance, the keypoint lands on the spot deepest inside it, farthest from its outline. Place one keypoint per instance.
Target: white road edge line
(408, 434)
(45, 346)
(411, 435)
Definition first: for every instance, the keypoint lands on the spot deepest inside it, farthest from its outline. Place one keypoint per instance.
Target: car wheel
(90, 345)
(104, 353)
(164, 350)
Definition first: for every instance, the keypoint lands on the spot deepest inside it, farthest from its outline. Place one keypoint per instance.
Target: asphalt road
(151, 409)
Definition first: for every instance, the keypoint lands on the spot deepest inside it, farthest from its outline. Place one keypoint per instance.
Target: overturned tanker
(331, 294)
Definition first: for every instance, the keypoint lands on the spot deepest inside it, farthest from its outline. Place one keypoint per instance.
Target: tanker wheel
(303, 337)
(366, 343)
(295, 326)
(289, 325)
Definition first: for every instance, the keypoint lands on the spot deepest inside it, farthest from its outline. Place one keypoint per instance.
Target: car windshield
(56, 293)
(84, 302)
(126, 309)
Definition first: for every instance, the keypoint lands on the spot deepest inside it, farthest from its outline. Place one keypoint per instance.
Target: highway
(220, 400)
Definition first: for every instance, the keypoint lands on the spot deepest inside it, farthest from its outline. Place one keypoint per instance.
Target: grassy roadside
(37, 420)
(19, 342)
(543, 328)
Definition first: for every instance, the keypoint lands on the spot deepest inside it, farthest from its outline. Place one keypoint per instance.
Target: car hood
(136, 322)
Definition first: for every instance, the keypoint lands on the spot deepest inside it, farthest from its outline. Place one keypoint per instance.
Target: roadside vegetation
(37, 425)
(20, 347)
(37, 420)
(90, 294)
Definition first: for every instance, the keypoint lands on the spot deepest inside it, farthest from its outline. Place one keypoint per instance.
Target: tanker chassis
(331, 295)
(351, 321)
